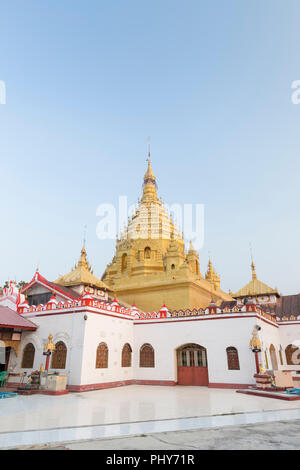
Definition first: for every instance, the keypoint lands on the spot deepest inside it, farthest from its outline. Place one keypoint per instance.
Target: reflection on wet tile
(134, 404)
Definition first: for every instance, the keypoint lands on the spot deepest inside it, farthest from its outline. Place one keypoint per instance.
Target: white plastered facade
(83, 329)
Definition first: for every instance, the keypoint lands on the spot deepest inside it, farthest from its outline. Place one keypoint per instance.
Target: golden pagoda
(255, 287)
(150, 267)
(81, 275)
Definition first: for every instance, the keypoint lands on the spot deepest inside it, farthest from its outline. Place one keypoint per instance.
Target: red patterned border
(224, 385)
(268, 395)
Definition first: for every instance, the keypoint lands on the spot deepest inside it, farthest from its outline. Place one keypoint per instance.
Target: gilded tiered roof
(151, 266)
(255, 287)
(151, 219)
(81, 274)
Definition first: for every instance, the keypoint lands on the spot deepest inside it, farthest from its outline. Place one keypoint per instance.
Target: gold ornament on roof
(254, 276)
(255, 287)
(81, 274)
(212, 276)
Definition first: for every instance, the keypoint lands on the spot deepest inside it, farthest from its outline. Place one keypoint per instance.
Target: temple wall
(175, 295)
(68, 328)
(269, 335)
(115, 332)
(152, 299)
(82, 337)
(213, 334)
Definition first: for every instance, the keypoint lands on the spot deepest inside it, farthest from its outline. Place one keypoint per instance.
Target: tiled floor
(131, 410)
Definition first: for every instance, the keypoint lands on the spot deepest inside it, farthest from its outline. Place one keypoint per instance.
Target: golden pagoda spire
(81, 274)
(254, 276)
(83, 259)
(149, 191)
(252, 263)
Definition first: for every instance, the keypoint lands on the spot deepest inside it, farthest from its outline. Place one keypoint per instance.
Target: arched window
(233, 358)
(124, 263)
(191, 355)
(102, 356)
(280, 356)
(126, 355)
(292, 359)
(273, 357)
(266, 359)
(173, 266)
(147, 356)
(28, 356)
(59, 356)
(147, 252)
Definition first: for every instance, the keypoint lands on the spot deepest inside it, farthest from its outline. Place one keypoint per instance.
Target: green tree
(19, 284)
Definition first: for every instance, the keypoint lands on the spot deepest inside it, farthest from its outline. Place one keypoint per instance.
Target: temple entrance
(192, 365)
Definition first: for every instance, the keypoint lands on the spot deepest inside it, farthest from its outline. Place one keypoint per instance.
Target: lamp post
(48, 348)
(255, 346)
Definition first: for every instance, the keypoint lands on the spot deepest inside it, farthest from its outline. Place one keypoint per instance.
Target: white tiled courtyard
(131, 410)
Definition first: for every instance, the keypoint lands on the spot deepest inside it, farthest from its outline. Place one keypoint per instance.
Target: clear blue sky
(210, 81)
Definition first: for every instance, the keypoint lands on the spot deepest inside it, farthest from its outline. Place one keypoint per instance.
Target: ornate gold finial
(255, 341)
(254, 276)
(83, 259)
(150, 187)
(252, 263)
(191, 247)
(50, 346)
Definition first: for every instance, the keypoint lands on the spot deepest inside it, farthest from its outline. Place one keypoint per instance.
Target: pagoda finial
(149, 193)
(84, 235)
(191, 247)
(149, 153)
(254, 276)
(83, 259)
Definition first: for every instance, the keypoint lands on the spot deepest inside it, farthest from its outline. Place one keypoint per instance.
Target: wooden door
(192, 365)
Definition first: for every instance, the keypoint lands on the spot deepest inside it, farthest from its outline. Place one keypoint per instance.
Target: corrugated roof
(255, 287)
(286, 305)
(11, 319)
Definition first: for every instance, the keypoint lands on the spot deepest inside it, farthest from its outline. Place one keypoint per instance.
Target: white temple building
(102, 343)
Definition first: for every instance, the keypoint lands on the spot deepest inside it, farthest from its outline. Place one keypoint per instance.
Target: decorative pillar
(255, 346)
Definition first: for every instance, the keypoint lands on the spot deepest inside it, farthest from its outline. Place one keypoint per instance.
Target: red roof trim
(206, 317)
(87, 310)
(18, 327)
